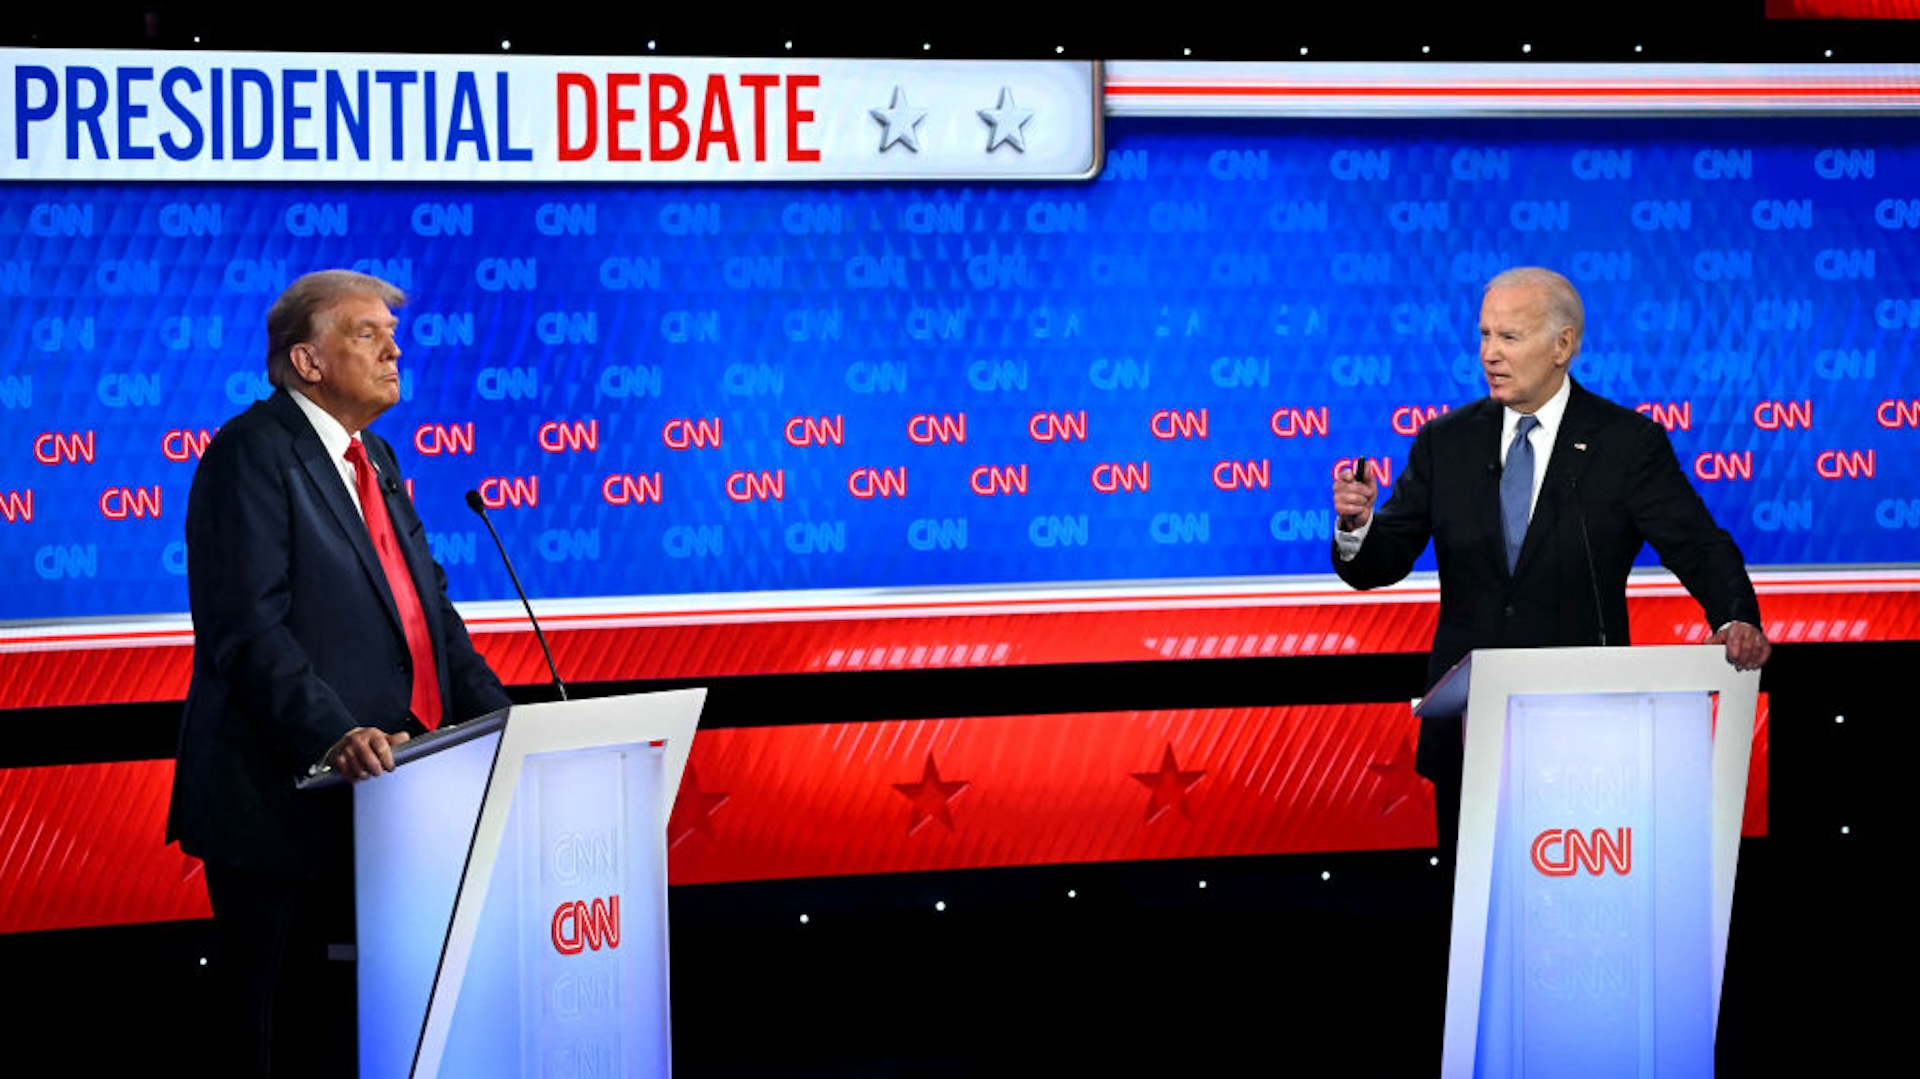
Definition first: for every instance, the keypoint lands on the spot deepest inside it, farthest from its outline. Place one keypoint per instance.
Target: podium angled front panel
(522, 928)
(1599, 837)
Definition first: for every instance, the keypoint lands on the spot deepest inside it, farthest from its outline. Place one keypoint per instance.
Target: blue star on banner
(901, 121)
(1008, 121)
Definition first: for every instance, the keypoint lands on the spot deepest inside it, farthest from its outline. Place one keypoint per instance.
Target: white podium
(511, 879)
(1601, 802)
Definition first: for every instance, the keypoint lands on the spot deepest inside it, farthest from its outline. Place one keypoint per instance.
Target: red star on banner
(1169, 786)
(693, 809)
(930, 797)
(1397, 778)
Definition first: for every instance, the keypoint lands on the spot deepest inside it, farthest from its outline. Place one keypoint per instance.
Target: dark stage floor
(1266, 969)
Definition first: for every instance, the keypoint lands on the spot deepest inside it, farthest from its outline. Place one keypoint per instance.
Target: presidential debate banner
(77, 115)
(941, 376)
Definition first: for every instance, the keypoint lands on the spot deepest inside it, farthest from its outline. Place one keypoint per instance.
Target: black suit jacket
(1613, 476)
(296, 641)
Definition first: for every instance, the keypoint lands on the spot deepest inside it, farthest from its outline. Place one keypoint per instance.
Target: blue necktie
(1516, 489)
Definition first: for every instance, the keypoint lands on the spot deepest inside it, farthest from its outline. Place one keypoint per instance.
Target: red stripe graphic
(64, 670)
(81, 845)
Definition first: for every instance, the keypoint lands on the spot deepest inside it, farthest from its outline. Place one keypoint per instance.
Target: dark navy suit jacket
(1613, 475)
(296, 641)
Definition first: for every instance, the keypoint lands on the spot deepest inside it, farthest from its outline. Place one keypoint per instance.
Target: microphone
(1586, 547)
(479, 506)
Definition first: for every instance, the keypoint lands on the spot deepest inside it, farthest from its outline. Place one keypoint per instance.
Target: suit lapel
(1485, 436)
(332, 491)
(1572, 450)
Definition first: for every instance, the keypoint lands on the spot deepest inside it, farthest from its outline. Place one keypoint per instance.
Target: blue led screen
(1149, 377)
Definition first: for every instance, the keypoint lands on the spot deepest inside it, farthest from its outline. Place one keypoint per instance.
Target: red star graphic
(930, 797)
(1397, 778)
(693, 809)
(1169, 786)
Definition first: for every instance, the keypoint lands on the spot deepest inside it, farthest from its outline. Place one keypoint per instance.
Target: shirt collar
(332, 435)
(1548, 414)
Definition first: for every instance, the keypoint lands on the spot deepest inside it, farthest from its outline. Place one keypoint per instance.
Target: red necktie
(425, 702)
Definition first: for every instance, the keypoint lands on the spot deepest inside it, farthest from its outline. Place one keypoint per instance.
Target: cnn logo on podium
(579, 925)
(1562, 852)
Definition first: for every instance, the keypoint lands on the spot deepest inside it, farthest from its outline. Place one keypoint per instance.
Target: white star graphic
(1009, 122)
(902, 122)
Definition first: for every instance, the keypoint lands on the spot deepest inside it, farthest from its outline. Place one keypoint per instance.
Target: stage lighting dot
(1828, 54)
(939, 904)
(1072, 894)
(1324, 875)
(926, 46)
(196, 39)
(803, 919)
(1526, 48)
(652, 45)
(1639, 48)
(1435, 860)
(1058, 49)
(1844, 830)
(1186, 52)
(1303, 50)
(1203, 885)
(505, 45)
(1839, 719)
(789, 45)
(1425, 49)
(203, 960)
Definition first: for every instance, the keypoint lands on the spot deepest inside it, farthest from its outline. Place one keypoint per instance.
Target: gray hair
(1564, 309)
(290, 321)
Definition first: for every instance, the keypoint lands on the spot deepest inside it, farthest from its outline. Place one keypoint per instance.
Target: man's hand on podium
(363, 752)
(1747, 647)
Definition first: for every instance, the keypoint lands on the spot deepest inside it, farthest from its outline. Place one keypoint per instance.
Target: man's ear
(305, 363)
(1563, 346)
